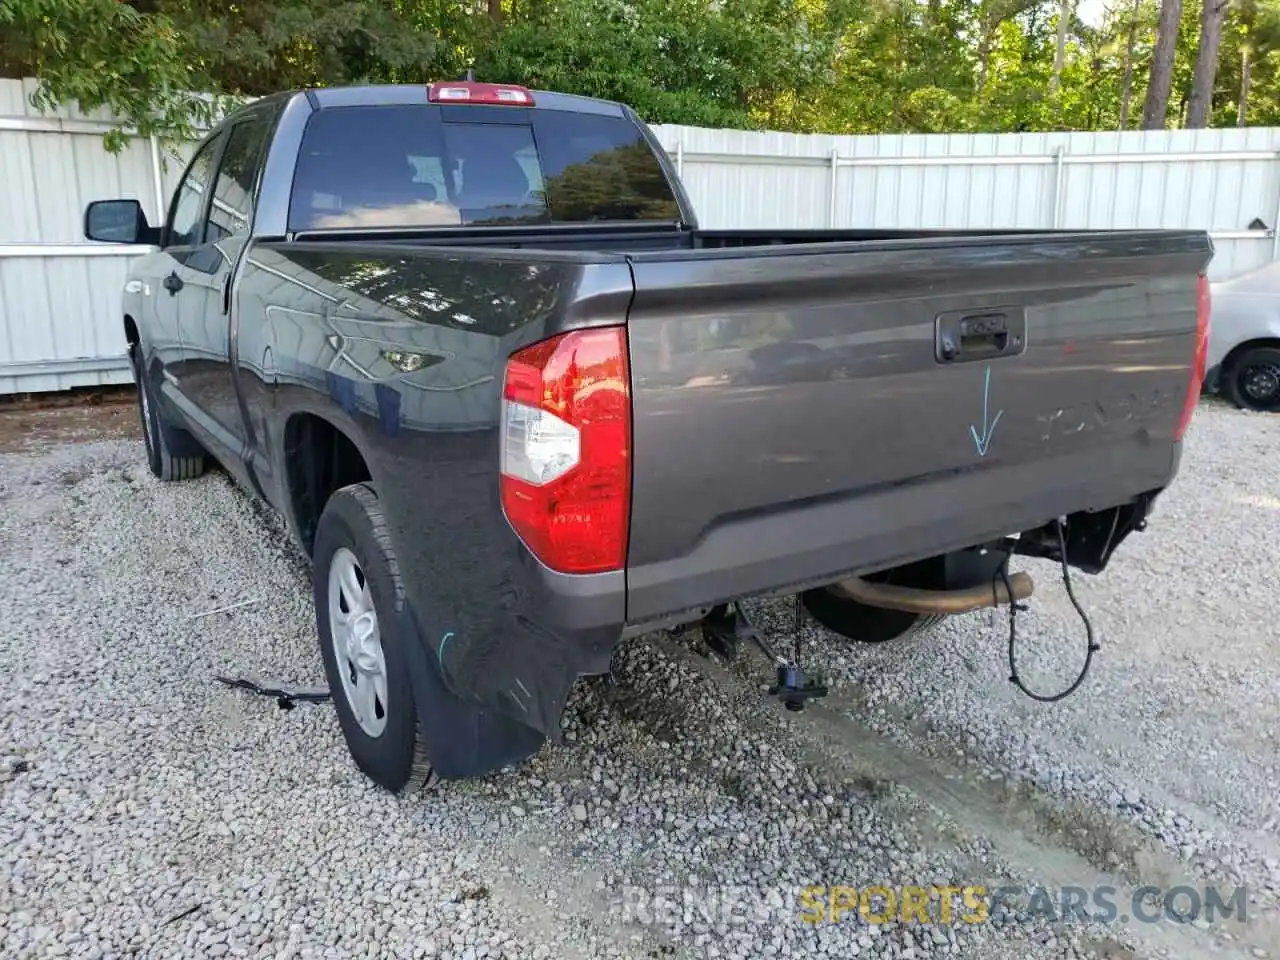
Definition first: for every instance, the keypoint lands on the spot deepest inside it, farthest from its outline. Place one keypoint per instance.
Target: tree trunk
(1211, 18)
(1246, 67)
(1156, 109)
(1126, 92)
(988, 23)
(994, 13)
(1095, 75)
(1060, 49)
(984, 57)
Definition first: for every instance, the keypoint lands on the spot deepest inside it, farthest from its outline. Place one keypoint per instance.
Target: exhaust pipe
(916, 600)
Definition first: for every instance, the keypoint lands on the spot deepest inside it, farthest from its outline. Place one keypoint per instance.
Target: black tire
(159, 437)
(857, 621)
(1252, 382)
(396, 758)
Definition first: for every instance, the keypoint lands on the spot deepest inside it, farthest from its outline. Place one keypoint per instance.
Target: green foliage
(103, 54)
(838, 66)
(674, 61)
(258, 47)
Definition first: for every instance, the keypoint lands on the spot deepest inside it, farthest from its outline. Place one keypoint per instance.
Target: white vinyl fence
(59, 295)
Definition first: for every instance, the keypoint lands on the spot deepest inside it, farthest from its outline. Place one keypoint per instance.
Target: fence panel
(1224, 181)
(59, 295)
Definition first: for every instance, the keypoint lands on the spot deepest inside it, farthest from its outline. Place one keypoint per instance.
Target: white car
(1244, 339)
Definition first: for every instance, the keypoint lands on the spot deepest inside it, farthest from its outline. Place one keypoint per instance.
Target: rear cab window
(431, 166)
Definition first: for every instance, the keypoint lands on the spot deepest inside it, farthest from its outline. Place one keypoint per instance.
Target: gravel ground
(146, 810)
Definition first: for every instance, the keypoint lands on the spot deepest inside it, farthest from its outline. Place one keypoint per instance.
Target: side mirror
(118, 221)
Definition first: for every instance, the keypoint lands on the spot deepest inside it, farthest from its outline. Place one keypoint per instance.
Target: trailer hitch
(726, 626)
(793, 688)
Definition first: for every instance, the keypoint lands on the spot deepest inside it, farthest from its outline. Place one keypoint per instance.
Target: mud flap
(462, 739)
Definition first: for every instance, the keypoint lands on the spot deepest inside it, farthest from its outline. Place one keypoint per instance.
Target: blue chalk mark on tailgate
(982, 442)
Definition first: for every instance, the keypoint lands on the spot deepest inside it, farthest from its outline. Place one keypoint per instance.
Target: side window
(600, 168)
(188, 201)
(232, 207)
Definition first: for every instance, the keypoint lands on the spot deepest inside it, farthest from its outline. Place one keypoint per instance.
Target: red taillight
(566, 449)
(1201, 358)
(504, 94)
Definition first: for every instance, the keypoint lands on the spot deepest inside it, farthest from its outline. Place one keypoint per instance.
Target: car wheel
(857, 621)
(363, 630)
(1253, 382)
(157, 436)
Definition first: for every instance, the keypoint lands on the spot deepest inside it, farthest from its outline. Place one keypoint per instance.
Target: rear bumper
(499, 633)
(539, 631)
(820, 542)
(546, 631)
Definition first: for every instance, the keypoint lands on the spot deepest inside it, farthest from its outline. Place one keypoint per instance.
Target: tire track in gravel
(702, 746)
(1154, 793)
(1024, 827)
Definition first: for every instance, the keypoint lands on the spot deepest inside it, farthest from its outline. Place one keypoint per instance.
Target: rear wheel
(1253, 381)
(360, 606)
(157, 436)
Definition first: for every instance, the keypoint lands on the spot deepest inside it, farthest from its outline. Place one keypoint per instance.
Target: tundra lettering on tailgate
(1102, 413)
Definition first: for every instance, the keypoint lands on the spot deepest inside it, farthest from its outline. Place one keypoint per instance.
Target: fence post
(680, 154)
(1057, 187)
(1275, 223)
(835, 187)
(157, 180)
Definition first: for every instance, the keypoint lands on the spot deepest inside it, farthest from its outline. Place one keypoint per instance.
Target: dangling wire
(799, 623)
(1014, 607)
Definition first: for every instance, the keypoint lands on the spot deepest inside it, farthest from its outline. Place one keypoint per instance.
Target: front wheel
(360, 607)
(157, 436)
(1253, 381)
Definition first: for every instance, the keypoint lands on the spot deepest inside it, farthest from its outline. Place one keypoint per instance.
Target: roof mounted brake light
(502, 94)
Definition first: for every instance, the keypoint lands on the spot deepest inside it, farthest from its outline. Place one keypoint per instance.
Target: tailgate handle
(975, 336)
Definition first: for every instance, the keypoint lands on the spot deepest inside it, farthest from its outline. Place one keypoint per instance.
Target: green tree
(104, 54)
(746, 63)
(837, 66)
(153, 63)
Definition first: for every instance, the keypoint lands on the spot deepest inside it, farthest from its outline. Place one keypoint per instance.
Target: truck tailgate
(806, 412)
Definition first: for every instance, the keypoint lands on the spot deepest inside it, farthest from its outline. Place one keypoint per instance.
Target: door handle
(961, 336)
(173, 283)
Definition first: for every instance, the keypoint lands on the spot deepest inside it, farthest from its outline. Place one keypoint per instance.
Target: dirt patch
(74, 476)
(30, 422)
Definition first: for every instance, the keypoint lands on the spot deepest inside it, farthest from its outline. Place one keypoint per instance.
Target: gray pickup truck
(516, 405)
